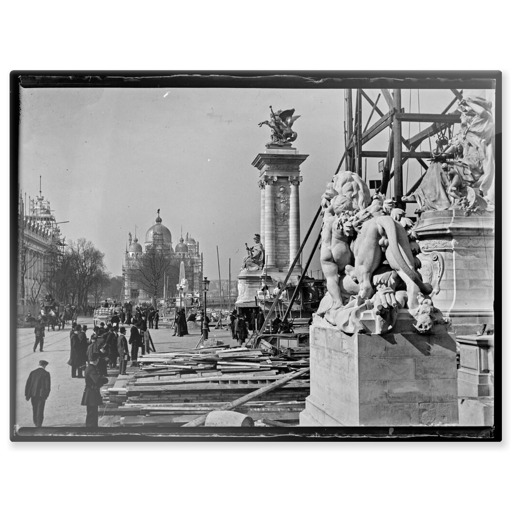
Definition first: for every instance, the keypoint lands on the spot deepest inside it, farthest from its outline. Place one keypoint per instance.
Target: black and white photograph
(255, 255)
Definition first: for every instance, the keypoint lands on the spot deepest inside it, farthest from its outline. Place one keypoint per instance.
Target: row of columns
(267, 218)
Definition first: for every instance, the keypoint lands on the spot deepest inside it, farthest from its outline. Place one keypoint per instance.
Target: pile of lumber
(179, 387)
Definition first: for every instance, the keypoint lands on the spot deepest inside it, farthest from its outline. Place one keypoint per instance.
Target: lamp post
(204, 322)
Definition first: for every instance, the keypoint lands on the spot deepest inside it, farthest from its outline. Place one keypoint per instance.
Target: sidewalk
(63, 405)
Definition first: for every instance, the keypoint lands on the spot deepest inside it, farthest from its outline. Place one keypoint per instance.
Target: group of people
(108, 347)
(241, 324)
(128, 314)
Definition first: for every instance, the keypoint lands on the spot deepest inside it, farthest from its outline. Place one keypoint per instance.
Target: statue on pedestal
(281, 123)
(461, 176)
(255, 258)
(368, 256)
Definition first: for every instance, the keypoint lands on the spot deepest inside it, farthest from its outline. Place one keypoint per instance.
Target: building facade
(159, 237)
(39, 247)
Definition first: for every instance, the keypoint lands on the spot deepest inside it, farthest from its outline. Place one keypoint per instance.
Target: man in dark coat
(276, 324)
(241, 330)
(232, 318)
(156, 319)
(37, 390)
(260, 318)
(83, 344)
(252, 321)
(92, 396)
(122, 349)
(102, 330)
(97, 349)
(135, 341)
(182, 324)
(115, 319)
(39, 332)
(111, 346)
(76, 356)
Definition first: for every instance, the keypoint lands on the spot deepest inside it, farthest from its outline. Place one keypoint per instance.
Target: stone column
(294, 217)
(261, 184)
(270, 248)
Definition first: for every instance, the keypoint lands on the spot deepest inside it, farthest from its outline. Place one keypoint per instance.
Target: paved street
(63, 406)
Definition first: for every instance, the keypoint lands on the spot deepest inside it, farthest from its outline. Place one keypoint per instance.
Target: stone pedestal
(402, 379)
(476, 380)
(249, 284)
(476, 372)
(458, 259)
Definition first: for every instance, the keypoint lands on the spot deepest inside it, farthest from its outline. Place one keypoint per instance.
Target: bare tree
(34, 290)
(150, 271)
(65, 279)
(86, 262)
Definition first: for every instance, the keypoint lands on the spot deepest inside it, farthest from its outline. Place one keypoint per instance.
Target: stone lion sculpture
(368, 257)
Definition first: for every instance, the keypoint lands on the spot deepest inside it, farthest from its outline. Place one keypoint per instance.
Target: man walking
(37, 391)
(39, 332)
(92, 396)
(76, 357)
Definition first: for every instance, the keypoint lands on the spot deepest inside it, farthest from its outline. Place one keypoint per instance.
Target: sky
(109, 158)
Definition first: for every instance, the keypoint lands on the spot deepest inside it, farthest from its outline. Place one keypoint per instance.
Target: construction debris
(181, 388)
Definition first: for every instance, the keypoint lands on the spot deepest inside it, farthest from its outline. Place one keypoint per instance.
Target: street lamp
(204, 323)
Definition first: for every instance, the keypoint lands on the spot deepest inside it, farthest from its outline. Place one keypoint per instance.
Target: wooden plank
(458, 94)
(405, 154)
(204, 387)
(388, 98)
(428, 118)
(374, 108)
(275, 385)
(224, 378)
(377, 127)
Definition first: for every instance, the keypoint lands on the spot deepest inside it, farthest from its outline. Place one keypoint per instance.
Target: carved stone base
(458, 260)
(402, 379)
(249, 283)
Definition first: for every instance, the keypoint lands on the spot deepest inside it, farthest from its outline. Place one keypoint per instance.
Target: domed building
(159, 237)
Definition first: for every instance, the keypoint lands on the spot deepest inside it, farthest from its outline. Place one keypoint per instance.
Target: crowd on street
(119, 341)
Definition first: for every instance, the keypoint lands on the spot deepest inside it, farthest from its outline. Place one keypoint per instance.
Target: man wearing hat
(37, 391)
(122, 349)
(92, 396)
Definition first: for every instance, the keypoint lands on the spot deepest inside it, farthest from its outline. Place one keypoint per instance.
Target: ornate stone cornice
(278, 160)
